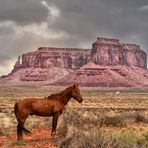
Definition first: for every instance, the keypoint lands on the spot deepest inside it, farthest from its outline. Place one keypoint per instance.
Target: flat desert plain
(107, 117)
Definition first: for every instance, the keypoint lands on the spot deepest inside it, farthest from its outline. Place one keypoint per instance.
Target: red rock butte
(108, 63)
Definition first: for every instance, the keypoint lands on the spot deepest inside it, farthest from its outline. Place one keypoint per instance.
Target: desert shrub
(78, 131)
(116, 121)
(62, 130)
(92, 138)
(75, 118)
(130, 138)
(77, 140)
(72, 132)
(140, 118)
(146, 136)
(95, 138)
(75, 131)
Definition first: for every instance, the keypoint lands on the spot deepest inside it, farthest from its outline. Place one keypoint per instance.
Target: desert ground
(107, 118)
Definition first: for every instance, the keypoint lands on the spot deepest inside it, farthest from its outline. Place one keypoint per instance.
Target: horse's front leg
(54, 124)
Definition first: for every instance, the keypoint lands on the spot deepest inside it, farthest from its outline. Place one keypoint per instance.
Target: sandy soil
(30, 141)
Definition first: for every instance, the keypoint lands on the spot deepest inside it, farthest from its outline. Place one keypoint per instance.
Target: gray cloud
(28, 24)
(143, 8)
(22, 11)
(87, 19)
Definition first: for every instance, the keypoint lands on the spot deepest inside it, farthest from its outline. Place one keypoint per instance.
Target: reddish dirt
(40, 138)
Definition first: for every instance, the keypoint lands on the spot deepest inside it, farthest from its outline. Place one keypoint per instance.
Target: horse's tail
(16, 110)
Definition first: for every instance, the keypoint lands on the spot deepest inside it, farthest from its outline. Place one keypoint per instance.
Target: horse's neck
(65, 96)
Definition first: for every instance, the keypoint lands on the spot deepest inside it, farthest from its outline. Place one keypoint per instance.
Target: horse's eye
(76, 91)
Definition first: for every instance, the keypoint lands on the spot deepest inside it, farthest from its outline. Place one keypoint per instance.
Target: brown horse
(53, 105)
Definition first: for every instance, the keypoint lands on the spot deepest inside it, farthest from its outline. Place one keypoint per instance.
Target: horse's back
(24, 102)
(23, 106)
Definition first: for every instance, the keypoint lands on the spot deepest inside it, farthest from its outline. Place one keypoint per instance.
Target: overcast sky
(26, 25)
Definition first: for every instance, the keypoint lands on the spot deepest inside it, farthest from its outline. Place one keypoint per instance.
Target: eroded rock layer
(112, 52)
(109, 63)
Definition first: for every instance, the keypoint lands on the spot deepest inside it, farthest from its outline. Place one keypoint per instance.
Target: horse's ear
(75, 85)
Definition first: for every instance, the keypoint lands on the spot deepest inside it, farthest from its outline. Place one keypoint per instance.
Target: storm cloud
(29, 24)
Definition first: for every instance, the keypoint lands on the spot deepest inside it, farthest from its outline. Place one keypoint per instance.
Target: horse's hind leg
(19, 132)
(19, 128)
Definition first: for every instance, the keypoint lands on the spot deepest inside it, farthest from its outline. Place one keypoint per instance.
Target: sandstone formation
(109, 63)
(104, 52)
(112, 52)
(44, 57)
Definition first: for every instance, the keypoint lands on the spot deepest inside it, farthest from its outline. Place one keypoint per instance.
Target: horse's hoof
(53, 135)
(20, 139)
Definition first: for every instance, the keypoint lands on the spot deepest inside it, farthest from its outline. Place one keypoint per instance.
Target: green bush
(115, 121)
(130, 138)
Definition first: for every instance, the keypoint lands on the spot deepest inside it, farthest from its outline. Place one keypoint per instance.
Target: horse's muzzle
(81, 100)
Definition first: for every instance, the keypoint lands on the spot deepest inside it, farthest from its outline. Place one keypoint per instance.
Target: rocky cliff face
(104, 52)
(112, 52)
(70, 58)
(108, 63)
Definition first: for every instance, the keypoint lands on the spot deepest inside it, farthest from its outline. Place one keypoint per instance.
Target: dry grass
(77, 133)
(139, 117)
(105, 118)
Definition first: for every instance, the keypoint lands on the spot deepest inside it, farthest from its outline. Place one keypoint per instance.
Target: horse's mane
(59, 95)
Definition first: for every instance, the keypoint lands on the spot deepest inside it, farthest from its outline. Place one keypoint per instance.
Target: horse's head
(76, 93)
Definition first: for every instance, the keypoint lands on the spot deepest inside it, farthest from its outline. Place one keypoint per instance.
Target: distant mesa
(112, 52)
(109, 63)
